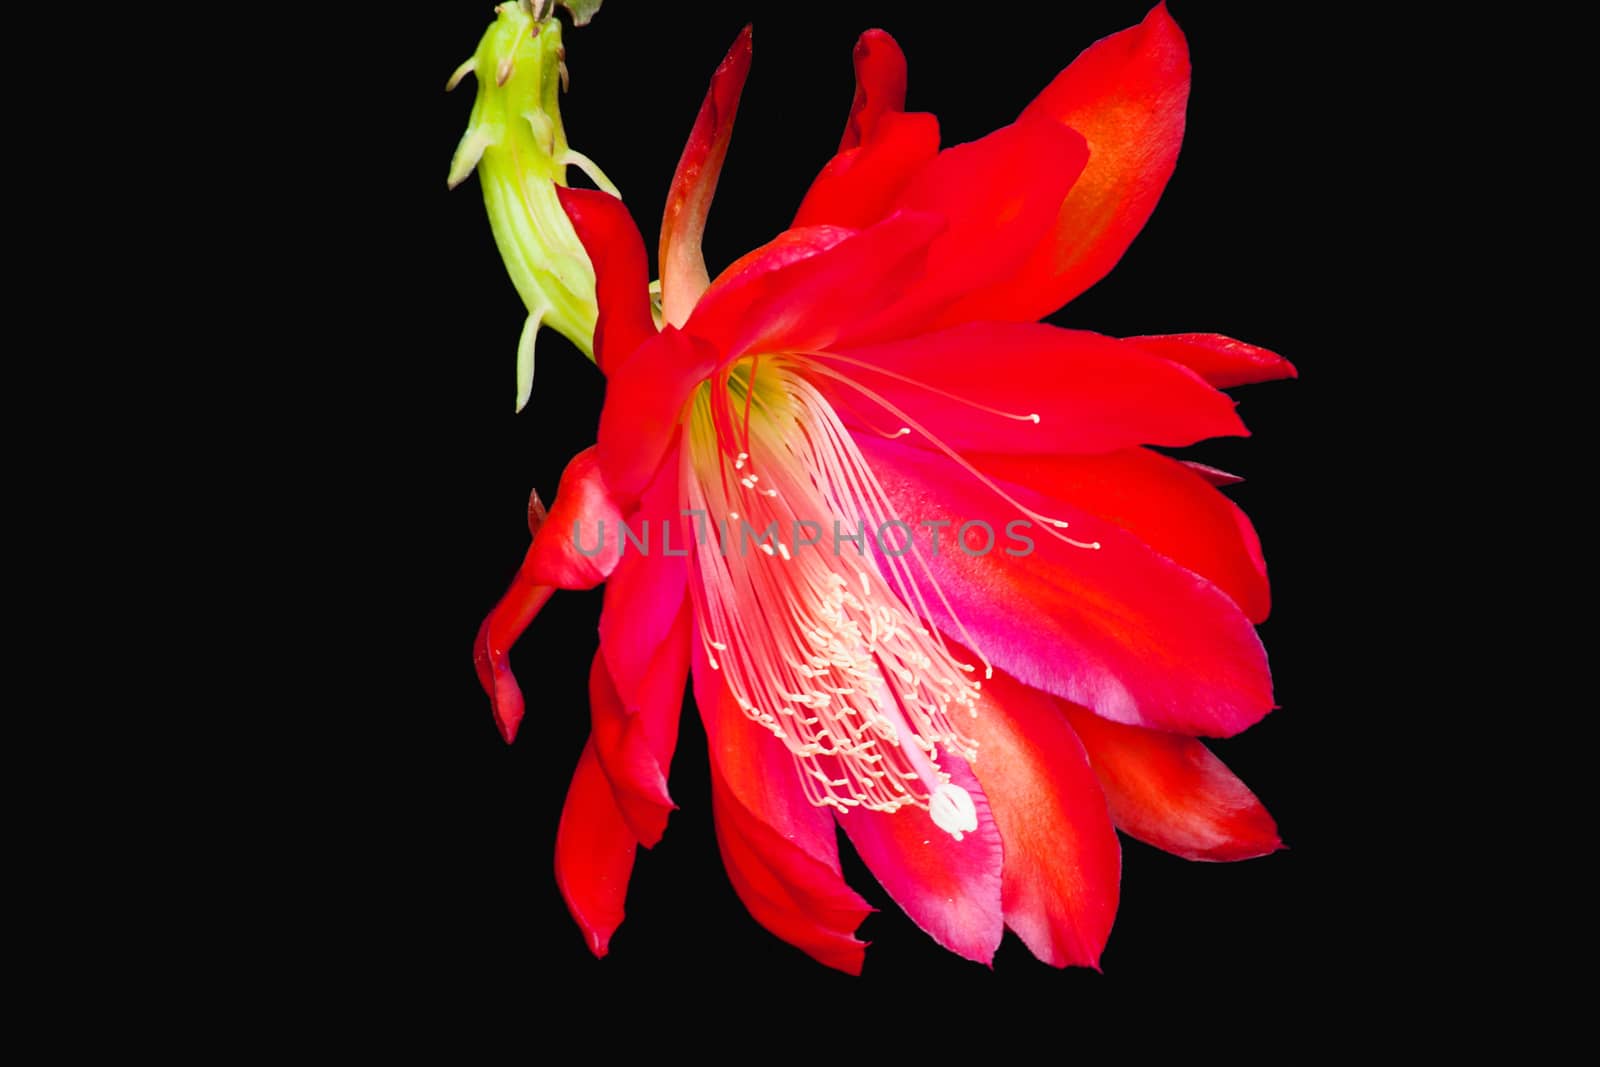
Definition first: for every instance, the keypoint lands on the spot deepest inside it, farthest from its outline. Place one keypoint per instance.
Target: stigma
(952, 810)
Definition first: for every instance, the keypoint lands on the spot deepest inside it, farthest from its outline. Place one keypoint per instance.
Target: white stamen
(839, 666)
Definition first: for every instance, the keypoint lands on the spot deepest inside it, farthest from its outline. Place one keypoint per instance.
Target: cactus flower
(978, 722)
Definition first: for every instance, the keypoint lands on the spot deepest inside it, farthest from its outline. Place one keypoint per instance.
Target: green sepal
(516, 143)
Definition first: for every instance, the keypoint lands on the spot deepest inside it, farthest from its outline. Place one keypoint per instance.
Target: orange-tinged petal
(1126, 94)
(1063, 864)
(683, 264)
(1170, 791)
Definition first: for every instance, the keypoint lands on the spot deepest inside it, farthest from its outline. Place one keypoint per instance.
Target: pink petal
(1164, 503)
(1121, 629)
(951, 889)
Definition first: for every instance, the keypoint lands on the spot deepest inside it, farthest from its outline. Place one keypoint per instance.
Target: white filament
(821, 644)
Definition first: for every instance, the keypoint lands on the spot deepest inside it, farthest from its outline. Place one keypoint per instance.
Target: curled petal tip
(507, 728)
(880, 86)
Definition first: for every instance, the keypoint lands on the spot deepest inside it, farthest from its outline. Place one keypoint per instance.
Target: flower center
(803, 601)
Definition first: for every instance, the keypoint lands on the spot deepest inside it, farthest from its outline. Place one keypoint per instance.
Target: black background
(443, 882)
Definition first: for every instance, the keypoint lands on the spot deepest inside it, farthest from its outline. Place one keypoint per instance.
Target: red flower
(976, 722)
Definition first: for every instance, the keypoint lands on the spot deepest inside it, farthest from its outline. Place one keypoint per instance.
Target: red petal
(1220, 360)
(1171, 792)
(1090, 393)
(999, 194)
(648, 588)
(1126, 95)
(594, 854)
(683, 265)
(635, 741)
(781, 852)
(951, 889)
(644, 407)
(882, 148)
(1121, 629)
(793, 896)
(621, 272)
(583, 503)
(1063, 864)
(880, 86)
(718, 312)
(499, 631)
(813, 288)
(1163, 503)
(861, 185)
(757, 769)
(636, 687)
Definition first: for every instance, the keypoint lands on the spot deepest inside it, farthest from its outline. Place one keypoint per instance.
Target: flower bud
(516, 142)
